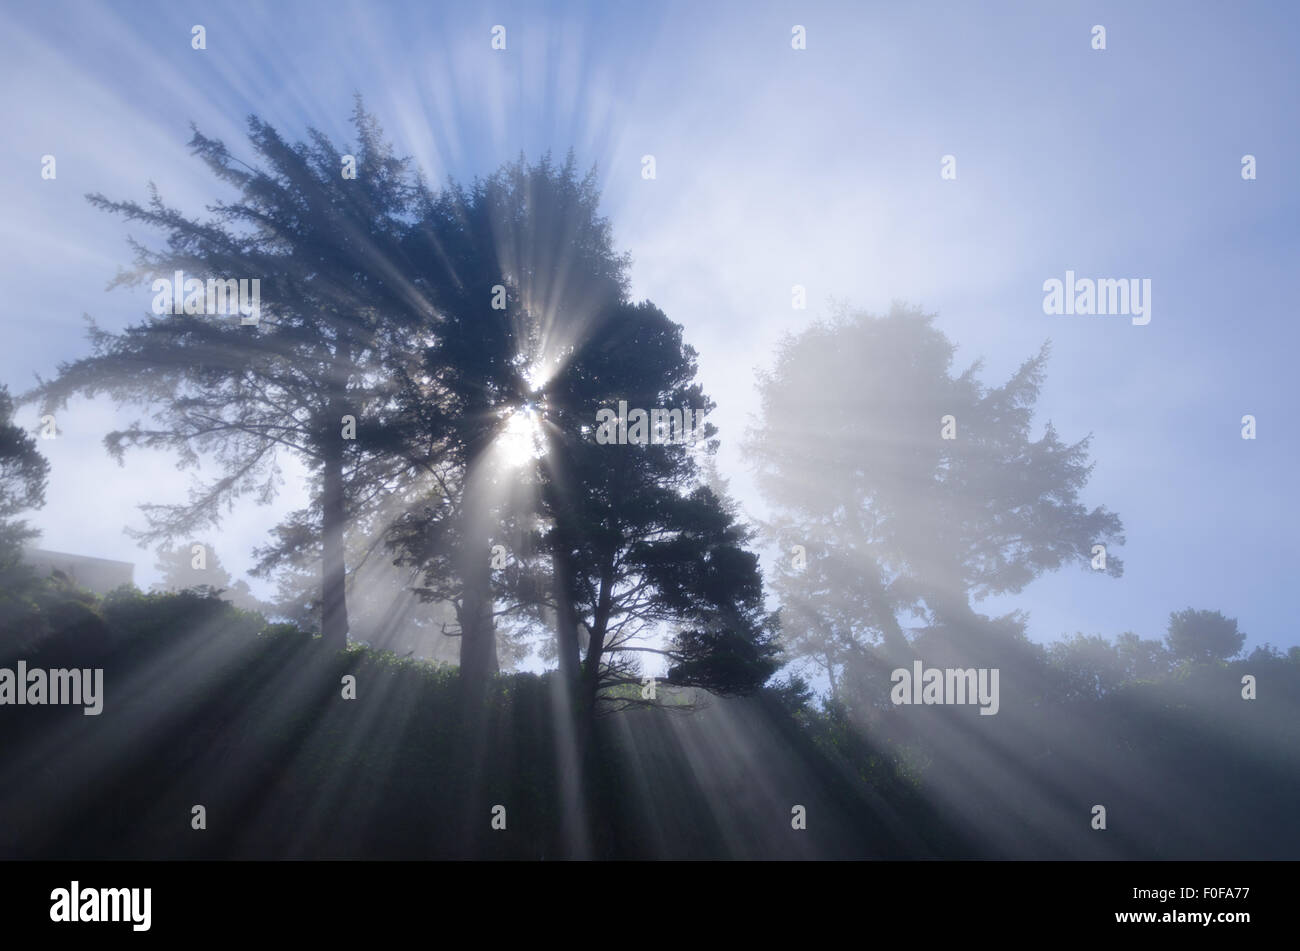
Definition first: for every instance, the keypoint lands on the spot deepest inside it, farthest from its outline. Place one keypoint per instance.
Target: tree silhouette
(334, 304)
(1142, 659)
(605, 542)
(1090, 667)
(1203, 636)
(636, 537)
(895, 523)
(24, 473)
(177, 565)
(515, 267)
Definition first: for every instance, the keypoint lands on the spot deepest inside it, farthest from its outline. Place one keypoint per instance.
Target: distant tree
(793, 693)
(879, 519)
(1267, 654)
(24, 473)
(1203, 636)
(334, 303)
(1090, 665)
(1142, 659)
(385, 607)
(177, 564)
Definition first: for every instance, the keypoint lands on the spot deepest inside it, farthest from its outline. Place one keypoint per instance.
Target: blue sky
(774, 167)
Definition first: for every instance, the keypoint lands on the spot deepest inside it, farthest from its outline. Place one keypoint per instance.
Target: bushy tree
(606, 543)
(1203, 636)
(334, 301)
(24, 473)
(882, 522)
(636, 537)
(513, 266)
(1141, 658)
(184, 569)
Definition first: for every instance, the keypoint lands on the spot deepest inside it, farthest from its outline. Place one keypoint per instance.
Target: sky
(774, 167)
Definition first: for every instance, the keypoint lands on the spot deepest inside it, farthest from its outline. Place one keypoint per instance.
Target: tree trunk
(334, 604)
(566, 620)
(478, 639)
(596, 646)
(478, 642)
(573, 716)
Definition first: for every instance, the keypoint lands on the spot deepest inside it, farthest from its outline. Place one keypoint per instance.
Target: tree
(385, 609)
(1090, 666)
(1203, 636)
(880, 519)
(514, 267)
(1142, 659)
(184, 568)
(334, 303)
(24, 473)
(533, 331)
(636, 538)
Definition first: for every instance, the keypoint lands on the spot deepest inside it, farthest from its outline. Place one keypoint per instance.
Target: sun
(520, 439)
